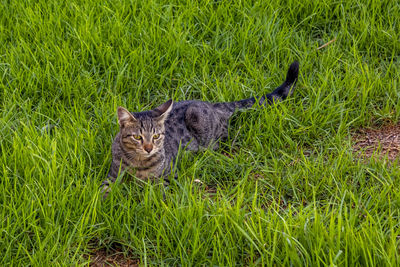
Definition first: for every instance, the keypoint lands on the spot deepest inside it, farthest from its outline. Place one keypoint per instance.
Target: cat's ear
(163, 110)
(125, 117)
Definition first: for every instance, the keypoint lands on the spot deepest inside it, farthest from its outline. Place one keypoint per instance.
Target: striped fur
(148, 141)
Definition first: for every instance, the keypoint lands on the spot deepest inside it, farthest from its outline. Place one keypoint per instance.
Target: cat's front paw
(106, 189)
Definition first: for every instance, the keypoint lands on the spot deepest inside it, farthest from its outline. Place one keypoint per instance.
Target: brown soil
(381, 142)
(101, 258)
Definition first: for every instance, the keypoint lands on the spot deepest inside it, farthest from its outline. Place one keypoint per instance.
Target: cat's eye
(137, 137)
(156, 136)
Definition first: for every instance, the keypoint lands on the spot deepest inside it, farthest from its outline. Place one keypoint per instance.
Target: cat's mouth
(147, 154)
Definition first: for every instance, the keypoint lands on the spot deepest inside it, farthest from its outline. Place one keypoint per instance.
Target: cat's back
(181, 106)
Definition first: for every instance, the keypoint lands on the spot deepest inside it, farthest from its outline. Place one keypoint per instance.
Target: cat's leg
(207, 124)
(199, 122)
(165, 185)
(105, 185)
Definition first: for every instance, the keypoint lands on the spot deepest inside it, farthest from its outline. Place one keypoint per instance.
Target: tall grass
(285, 189)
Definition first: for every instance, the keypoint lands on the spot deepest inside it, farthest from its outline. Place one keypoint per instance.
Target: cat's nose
(148, 147)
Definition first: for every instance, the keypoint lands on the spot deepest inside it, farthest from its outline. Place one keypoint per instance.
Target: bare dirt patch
(100, 258)
(381, 142)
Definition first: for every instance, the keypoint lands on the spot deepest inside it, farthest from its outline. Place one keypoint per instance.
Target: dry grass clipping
(382, 142)
(101, 258)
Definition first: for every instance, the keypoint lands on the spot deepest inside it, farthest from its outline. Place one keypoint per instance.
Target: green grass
(290, 193)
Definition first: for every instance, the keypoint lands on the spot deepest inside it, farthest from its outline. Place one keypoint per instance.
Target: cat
(148, 141)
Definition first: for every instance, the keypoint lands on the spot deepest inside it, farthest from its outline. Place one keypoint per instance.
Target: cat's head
(144, 132)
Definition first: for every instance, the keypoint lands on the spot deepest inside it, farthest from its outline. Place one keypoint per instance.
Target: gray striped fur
(190, 124)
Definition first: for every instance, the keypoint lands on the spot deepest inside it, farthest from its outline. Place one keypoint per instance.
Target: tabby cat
(148, 141)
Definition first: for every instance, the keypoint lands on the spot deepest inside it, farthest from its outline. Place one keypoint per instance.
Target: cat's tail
(280, 93)
(286, 88)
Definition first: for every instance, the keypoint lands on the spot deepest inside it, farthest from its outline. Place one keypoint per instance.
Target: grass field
(285, 189)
